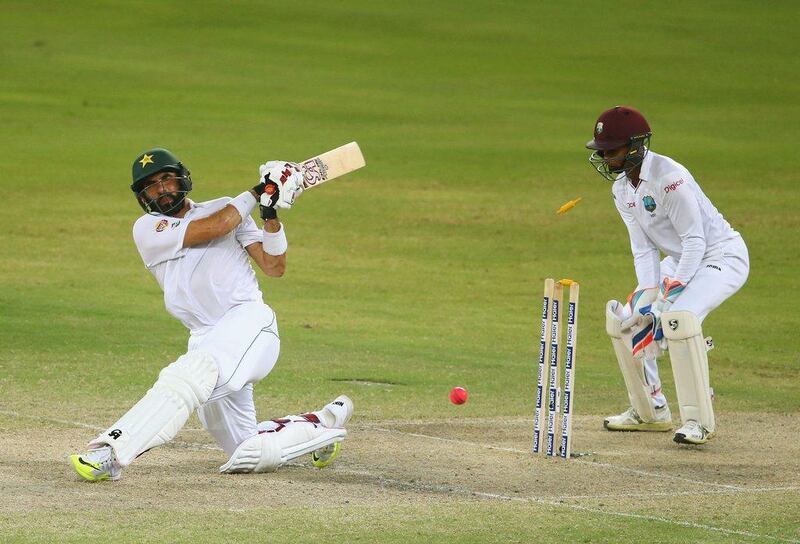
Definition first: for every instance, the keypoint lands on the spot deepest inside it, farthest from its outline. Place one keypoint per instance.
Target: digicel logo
(673, 186)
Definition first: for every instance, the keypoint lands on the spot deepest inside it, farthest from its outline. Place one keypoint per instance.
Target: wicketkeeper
(705, 262)
(200, 254)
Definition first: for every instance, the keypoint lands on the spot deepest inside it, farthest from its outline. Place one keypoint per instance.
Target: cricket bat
(331, 164)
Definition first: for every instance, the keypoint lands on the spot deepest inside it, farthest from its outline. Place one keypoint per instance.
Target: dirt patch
(751, 460)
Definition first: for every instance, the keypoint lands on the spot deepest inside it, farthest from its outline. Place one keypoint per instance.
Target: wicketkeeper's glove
(645, 321)
(668, 292)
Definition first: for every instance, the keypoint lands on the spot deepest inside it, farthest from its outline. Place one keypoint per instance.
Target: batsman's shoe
(629, 420)
(97, 465)
(325, 456)
(692, 433)
(336, 413)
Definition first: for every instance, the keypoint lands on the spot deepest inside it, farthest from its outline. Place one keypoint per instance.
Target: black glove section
(270, 188)
(269, 211)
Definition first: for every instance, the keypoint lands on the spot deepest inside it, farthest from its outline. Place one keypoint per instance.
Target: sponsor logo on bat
(314, 171)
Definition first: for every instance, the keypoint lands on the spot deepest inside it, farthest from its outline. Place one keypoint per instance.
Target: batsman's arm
(271, 265)
(220, 223)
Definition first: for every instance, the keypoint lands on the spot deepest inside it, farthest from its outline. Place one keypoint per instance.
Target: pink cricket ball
(458, 395)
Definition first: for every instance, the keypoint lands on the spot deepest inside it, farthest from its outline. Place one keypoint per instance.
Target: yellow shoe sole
(84, 469)
(325, 456)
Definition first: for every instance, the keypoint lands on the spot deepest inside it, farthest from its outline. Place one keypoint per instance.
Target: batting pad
(631, 367)
(267, 451)
(687, 350)
(180, 389)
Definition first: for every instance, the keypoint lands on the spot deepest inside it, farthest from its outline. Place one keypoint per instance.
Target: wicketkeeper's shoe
(97, 465)
(629, 420)
(692, 433)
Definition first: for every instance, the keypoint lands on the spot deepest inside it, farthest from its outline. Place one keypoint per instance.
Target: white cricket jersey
(668, 212)
(200, 283)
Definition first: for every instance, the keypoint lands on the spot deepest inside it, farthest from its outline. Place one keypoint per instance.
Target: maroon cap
(615, 128)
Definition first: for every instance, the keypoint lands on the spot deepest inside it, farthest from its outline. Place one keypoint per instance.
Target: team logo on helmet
(145, 160)
(649, 203)
(599, 128)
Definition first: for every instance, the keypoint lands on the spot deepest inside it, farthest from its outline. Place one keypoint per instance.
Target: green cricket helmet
(152, 162)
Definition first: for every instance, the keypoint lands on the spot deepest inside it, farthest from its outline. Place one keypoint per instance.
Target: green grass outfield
(425, 269)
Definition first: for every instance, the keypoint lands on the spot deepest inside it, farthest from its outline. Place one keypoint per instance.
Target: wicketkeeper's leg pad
(687, 350)
(180, 389)
(639, 391)
(278, 442)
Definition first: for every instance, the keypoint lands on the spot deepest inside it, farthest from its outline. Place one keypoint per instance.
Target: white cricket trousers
(245, 345)
(722, 272)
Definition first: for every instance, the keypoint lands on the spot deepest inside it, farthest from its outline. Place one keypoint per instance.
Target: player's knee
(192, 378)
(259, 453)
(680, 325)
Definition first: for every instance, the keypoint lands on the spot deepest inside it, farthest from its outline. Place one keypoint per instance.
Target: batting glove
(286, 177)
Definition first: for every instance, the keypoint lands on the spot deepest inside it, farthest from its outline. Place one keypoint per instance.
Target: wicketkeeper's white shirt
(668, 212)
(200, 283)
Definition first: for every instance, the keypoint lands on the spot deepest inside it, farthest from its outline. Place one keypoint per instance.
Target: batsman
(200, 253)
(705, 261)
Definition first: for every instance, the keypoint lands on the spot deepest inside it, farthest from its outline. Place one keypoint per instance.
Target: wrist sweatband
(244, 203)
(275, 243)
